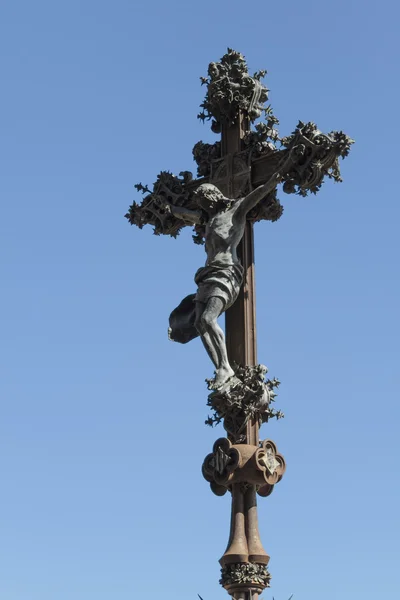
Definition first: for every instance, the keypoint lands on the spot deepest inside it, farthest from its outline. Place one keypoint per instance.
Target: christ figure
(219, 281)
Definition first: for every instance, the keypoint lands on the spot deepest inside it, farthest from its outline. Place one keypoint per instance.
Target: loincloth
(221, 281)
(213, 281)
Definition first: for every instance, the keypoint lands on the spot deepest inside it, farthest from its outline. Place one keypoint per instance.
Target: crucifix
(237, 186)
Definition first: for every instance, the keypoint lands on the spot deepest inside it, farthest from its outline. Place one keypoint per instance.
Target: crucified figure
(219, 281)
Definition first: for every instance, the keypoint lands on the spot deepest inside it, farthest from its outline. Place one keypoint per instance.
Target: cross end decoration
(300, 161)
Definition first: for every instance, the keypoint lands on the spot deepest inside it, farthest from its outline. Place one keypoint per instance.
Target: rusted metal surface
(240, 319)
(244, 543)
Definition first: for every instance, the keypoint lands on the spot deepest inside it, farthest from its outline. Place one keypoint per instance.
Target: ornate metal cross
(236, 186)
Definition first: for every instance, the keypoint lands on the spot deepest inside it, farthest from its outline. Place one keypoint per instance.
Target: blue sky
(102, 430)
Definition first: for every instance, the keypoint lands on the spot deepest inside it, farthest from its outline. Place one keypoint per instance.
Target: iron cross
(246, 157)
(236, 186)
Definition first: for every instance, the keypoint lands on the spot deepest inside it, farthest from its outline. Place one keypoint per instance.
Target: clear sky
(102, 431)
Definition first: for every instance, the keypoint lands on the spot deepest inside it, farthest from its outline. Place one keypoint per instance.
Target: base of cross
(244, 470)
(245, 396)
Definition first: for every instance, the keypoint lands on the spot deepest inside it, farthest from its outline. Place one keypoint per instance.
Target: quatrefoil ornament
(261, 466)
(219, 465)
(271, 464)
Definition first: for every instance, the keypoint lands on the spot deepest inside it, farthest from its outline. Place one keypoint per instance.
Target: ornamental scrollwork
(315, 155)
(203, 155)
(263, 139)
(230, 89)
(168, 188)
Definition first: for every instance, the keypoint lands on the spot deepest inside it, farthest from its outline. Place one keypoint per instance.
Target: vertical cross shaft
(240, 319)
(240, 324)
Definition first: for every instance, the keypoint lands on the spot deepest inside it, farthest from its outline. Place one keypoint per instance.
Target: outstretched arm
(258, 194)
(185, 214)
(190, 216)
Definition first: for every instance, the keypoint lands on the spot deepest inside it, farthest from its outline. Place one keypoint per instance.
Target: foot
(222, 376)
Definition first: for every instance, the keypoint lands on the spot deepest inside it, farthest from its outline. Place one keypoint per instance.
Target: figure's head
(209, 198)
(213, 70)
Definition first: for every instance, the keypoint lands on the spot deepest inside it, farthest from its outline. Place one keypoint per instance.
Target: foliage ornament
(315, 155)
(231, 91)
(235, 575)
(248, 396)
